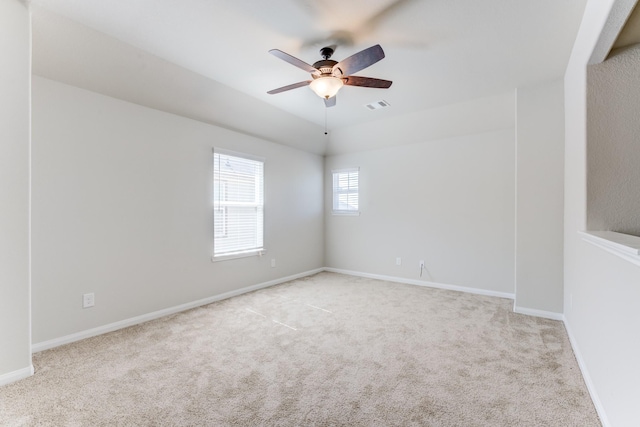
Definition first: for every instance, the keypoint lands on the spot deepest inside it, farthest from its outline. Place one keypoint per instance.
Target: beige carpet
(327, 350)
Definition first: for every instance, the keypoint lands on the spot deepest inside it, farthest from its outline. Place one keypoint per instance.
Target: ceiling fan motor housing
(325, 67)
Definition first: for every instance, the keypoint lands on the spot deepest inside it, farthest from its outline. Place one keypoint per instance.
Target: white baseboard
(595, 398)
(14, 376)
(538, 313)
(45, 345)
(424, 283)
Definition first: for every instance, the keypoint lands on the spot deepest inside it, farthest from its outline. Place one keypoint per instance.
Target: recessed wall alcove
(613, 142)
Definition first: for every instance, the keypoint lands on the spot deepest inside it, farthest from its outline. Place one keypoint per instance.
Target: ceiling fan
(328, 76)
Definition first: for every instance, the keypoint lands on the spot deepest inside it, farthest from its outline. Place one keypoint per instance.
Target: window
(345, 191)
(238, 204)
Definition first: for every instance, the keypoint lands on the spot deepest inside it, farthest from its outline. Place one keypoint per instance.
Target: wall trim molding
(625, 246)
(591, 387)
(14, 376)
(67, 339)
(538, 313)
(425, 283)
(26, 372)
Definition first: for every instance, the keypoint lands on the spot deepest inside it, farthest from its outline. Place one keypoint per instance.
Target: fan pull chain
(325, 121)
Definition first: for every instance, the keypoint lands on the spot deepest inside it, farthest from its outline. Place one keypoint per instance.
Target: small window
(345, 191)
(238, 205)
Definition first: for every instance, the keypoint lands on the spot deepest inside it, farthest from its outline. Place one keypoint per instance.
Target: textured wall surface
(613, 143)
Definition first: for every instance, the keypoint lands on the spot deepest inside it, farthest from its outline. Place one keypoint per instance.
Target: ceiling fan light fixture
(326, 86)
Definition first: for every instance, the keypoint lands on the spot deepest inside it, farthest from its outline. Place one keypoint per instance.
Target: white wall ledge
(624, 246)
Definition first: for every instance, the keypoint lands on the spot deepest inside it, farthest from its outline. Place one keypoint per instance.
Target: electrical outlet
(273, 262)
(398, 261)
(88, 300)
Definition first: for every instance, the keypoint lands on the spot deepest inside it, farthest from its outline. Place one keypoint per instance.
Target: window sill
(345, 213)
(237, 256)
(624, 246)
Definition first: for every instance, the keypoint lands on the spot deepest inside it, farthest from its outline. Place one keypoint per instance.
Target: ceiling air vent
(377, 105)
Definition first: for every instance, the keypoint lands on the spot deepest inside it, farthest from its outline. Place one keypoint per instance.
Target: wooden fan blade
(367, 82)
(358, 61)
(331, 102)
(289, 87)
(294, 61)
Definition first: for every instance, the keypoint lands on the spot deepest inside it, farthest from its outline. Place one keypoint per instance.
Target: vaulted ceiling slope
(69, 52)
(208, 59)
(630, 33)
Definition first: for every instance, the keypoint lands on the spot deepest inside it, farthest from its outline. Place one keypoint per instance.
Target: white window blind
(238, 204)
(345, 191)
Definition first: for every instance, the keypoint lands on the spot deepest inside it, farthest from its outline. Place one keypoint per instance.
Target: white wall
(464, 118)
(540, 197)
(122, 208)
(448, 202)
(601, 290)
(613, 180)
(15, 345)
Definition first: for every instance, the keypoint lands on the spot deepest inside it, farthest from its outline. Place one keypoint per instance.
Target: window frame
(334, 195)
(259, 227)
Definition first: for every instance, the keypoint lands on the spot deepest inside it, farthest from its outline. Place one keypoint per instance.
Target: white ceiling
(196, 55)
